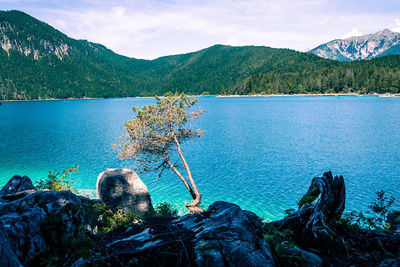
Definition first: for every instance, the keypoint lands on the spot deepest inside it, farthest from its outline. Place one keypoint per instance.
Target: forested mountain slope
(37, 62)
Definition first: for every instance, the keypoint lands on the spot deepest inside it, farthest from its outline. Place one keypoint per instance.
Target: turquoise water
(259, 152)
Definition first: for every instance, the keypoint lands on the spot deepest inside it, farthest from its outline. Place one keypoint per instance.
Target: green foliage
(155, 130)
(50, 261)
(51, 227)
(154, 135)
(107, 220)
(376, 219)
(80, 245)
(279, 242)
(59, 181)
(289, 211)
(382, 205)
(287, 259)
(165, 210)
(306, 199)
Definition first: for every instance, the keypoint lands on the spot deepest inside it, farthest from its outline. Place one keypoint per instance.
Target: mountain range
(39, 62)
(368, 46)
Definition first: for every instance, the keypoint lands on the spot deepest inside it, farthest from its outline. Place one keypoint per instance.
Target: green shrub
(107, 220)
(287, 259)
(59, 181)
(290, 211)
(306, 199)
(82, 244)
(165, 210)
(279, 241)
(375, 219)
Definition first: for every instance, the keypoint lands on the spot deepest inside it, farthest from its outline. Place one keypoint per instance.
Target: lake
(258, 152)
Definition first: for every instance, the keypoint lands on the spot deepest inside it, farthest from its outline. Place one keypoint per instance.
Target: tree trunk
(329, 197)
(329, 205)
(194, 205)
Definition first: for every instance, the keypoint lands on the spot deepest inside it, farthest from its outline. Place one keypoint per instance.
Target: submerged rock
(123, 189)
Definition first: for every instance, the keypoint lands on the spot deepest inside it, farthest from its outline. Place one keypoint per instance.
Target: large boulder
(39, 222)
(123, 189)
(17, 184)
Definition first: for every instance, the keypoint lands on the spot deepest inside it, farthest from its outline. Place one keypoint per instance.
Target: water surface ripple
(259, 152)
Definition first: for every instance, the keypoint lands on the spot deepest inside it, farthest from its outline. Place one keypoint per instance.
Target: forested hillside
(37, 62)
(381, 75)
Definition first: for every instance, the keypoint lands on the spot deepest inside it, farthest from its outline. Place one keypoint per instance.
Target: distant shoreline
(256, 95)
(339, 94)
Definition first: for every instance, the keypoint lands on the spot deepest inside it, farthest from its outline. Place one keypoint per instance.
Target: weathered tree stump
(326, 199)
(316, 228)
(329, 205)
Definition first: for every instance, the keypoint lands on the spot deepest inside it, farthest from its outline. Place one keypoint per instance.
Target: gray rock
(7, 255)
(37, 222)
(80, 263)
(17, 184)
(390, 263)
(123, 189)
(226, 235)
(311, 259)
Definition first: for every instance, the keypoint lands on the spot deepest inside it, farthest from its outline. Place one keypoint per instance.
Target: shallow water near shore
(258, 152)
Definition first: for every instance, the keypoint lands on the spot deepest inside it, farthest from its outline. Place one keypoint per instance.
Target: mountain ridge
(39, 62)
(381, 43)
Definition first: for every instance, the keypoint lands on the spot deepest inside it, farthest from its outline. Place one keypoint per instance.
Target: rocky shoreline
(59, 228)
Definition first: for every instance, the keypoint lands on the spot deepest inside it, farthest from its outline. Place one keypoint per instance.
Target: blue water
(259, 152)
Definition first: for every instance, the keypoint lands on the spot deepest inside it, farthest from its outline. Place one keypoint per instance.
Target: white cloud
(396, 28)
(352, 33)
(235, 42)
(153, 28)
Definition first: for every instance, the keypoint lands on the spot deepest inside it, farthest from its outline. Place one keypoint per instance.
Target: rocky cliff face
(19, 40)
(367, 46)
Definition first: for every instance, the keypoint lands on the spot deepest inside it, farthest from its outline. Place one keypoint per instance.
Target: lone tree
(155, 132)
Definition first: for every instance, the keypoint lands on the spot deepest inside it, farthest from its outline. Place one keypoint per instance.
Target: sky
(152, 28)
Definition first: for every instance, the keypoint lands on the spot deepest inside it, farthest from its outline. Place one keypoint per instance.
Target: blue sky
(153, 28)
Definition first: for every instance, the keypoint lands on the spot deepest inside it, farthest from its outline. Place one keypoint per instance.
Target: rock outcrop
(17, 184)
(36, 222)
(123, 189)
(7, 255)
(225, 235)
(368, 46)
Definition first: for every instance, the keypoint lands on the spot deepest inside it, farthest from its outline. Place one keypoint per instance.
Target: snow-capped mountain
(367, 46)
